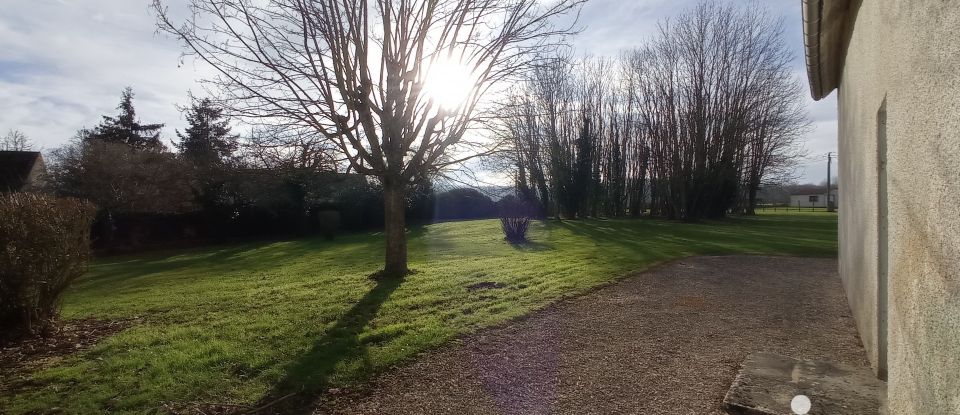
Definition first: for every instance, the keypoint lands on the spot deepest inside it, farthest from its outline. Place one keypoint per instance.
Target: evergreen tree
(582, 169)
(126, 129)
(207, 141)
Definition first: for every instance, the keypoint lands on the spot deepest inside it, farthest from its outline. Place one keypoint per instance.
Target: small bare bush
(515, 214)
(44, 245)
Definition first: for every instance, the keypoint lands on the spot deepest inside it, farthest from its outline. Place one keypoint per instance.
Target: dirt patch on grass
(666, 341)
(19, 359)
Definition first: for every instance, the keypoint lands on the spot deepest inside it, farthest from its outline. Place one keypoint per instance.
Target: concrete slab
(767, 383)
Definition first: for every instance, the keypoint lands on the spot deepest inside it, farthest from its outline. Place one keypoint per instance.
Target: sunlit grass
(233, 324)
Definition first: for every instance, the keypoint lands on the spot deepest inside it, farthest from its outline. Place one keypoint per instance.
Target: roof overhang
(826, 25)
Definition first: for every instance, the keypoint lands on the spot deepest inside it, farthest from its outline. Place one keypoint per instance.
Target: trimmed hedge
(44, 245)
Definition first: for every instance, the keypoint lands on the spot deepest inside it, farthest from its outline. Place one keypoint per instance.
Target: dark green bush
(44, 245)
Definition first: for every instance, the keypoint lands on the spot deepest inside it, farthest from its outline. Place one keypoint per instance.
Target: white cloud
(65, 63)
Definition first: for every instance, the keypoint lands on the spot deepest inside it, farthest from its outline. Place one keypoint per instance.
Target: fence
(794, 208)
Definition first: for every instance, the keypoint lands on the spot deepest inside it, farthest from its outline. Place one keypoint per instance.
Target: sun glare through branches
(448, 83)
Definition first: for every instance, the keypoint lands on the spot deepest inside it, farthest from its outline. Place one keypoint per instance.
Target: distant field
(233, 324)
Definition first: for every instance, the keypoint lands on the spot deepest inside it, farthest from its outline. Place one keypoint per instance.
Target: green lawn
(233, 324)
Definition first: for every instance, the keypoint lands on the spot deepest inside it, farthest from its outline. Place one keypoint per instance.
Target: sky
(64, 63)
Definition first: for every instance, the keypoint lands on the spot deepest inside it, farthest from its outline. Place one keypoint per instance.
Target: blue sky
(64, 63)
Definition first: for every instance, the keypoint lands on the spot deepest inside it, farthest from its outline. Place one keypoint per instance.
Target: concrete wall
(907, 53)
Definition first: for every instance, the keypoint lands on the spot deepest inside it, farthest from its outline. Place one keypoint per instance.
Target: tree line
(686, 126)
(209, 182)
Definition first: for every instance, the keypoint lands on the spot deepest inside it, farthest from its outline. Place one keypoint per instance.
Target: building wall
(36, 179)
(907, 53)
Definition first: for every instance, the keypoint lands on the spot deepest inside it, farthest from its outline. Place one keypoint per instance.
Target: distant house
(895, 65)
(21, 171)
(804, 196)
(809, 200)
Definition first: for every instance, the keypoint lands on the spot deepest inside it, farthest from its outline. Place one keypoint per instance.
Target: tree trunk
(752, 199)
(395, 229)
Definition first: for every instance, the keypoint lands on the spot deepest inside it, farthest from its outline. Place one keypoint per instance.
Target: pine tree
(126, 129)
(207, 141)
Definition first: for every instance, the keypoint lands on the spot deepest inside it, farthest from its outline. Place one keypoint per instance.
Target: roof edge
(827, 27)
(812, 18)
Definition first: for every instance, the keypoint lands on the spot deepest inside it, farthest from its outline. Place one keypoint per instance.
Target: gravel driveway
(666, 341)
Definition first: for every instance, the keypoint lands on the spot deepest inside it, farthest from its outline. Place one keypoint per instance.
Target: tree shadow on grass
(308, 376)
(131, 271)
(711, 237)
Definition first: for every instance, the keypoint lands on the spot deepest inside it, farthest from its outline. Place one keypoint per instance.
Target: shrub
(515, 216)
(44, 245)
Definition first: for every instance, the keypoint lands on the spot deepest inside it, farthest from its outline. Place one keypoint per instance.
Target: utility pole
(829, 162)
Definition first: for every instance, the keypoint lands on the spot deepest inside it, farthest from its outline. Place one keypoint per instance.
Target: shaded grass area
(240, 323)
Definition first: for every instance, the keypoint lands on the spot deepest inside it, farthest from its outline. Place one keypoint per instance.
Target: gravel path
(666, 341)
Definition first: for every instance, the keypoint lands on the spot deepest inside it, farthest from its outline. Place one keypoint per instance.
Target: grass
(234, 324)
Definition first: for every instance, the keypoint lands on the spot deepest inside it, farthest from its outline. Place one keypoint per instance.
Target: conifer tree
(207, 141)
(125, 128)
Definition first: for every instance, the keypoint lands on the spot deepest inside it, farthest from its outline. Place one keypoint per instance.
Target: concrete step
(767, 384)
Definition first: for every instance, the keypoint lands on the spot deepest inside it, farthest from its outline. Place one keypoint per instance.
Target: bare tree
(571, 127)
(541, 126)
(701, 116)
(15, 140)
(718, 104)
(525, 155)
(774, 146)
(359, 74)
(291, 147)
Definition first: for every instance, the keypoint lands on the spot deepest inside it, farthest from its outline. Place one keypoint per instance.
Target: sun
(448, 83)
